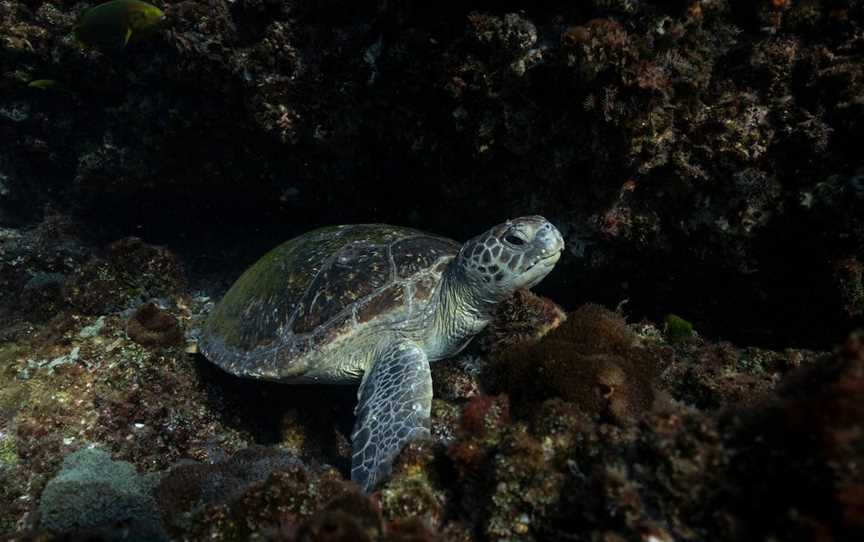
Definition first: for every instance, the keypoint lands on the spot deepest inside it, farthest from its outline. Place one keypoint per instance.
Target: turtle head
(515, 254)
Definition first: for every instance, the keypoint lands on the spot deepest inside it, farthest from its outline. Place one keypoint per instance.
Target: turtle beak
(549, 241)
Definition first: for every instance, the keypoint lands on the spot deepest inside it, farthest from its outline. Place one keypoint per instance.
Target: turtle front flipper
(394, 403)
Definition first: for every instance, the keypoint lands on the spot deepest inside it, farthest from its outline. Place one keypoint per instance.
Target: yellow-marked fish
(115, 24)
(44, 84)
(50, 86)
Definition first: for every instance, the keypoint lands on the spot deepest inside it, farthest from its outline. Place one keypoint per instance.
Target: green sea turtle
(373, 304)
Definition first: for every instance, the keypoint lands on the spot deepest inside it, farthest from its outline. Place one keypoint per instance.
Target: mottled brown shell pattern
(318, 287)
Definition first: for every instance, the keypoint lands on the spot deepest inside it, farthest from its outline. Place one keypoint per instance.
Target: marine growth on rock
(691, 370)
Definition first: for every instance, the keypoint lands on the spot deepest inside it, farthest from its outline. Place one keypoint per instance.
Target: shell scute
(417, 254)
(356, 271)
(387, 299)
(424, 287)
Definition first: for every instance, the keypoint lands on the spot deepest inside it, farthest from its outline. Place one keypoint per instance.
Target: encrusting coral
(152, 326)
(525, 316)
(92, 491)
(592, 360)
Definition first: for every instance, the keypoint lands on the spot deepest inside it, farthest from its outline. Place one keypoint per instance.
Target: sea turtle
(373, 304)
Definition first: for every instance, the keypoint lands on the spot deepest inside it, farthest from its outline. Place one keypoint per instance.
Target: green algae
(8, 451)
(677, 329)
(8, 354)
(13, 392)
(13, 395)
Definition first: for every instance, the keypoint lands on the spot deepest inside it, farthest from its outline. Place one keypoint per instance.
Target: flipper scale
(394, 404)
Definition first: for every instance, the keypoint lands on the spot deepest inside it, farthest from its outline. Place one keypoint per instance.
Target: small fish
(114, 24)
(44, 84)
(51, 86)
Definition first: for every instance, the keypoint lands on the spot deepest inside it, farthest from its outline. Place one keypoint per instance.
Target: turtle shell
(321, 286)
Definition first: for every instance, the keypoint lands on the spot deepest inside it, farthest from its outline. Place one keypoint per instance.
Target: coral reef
(525, 316)
(226, 499)
(592, 359)
(603, 443)
(131, 271)
(78, 380)
(416, 490)
(152, 326)
(91, 491)
(702, 158)
(52, 266)
(601, 446)
(679, 143)
(820, 409)
(35, 263)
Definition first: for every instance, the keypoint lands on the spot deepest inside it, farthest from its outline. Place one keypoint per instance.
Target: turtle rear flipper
(393, 408)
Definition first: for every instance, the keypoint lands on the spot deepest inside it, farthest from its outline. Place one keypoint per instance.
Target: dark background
(701, 159)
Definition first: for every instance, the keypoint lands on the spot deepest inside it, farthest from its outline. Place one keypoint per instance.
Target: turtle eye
(514, 240)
